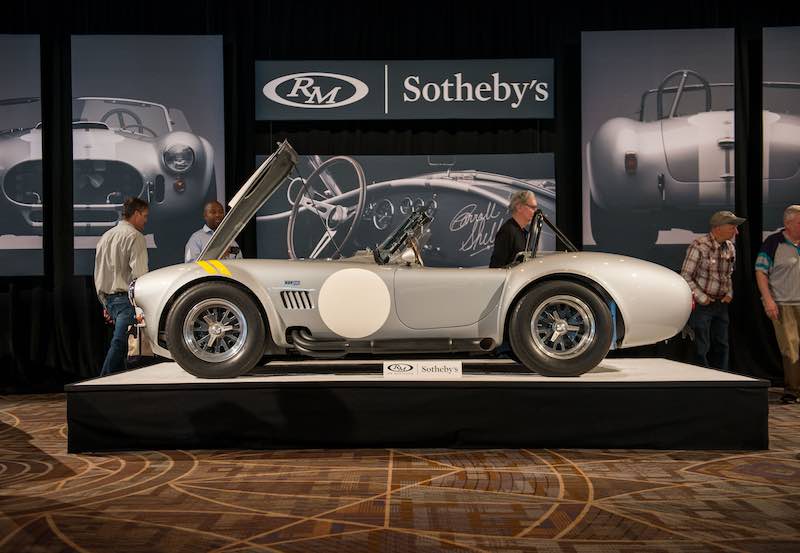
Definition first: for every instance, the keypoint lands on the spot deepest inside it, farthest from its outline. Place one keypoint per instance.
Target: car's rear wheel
(560, 328)
(215, 330)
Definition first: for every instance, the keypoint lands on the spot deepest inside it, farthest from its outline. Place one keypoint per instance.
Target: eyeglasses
(534, 207)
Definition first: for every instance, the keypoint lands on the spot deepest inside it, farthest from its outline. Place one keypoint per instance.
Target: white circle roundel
(354, 302)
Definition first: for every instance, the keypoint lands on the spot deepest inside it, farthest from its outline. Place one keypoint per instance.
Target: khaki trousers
(787, 331)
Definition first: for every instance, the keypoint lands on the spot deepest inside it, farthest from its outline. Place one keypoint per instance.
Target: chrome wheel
(563, 327)
(215, 330)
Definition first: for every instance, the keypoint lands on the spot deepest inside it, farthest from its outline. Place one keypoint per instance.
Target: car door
(699, 149)
(438, 297)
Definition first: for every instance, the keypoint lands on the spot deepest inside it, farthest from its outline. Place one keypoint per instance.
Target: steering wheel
(142, 130)
(684, 74)
(325, 206)
(121, 113)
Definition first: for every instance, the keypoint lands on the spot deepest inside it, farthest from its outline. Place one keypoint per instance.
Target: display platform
(623, 403)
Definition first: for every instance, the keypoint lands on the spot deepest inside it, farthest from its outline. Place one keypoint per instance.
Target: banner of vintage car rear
(413, 89)
(658, 138)
(367, 197)
(781, 131)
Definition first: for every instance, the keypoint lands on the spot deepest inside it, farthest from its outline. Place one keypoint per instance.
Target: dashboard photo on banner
(148, 121)
(781, 104)
(22, 199)
(334, 206)
(658, 139)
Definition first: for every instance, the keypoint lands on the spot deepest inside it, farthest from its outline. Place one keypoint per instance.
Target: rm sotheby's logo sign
(437, 89)
(316, 90)
(399, 367)
(415, 370)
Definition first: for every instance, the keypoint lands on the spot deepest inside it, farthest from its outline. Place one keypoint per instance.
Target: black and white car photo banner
(781, 102)
(333, 206)
(658, 138)
(146, 125)
(20, 157)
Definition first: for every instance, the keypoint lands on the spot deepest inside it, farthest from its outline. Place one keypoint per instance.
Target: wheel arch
(594, 286)
(162, 322)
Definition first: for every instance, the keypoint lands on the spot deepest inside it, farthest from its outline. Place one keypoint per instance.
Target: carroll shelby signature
(484, 225)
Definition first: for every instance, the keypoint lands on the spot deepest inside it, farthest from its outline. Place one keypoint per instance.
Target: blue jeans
(710, 326)
(123, 314)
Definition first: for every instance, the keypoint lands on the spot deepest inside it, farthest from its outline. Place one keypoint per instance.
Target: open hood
(249, 199)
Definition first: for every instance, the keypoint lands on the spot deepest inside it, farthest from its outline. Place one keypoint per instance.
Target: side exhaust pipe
(302, 340)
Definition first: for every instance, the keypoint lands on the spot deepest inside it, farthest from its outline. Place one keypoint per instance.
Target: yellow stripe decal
(223, 270)
(207, 267)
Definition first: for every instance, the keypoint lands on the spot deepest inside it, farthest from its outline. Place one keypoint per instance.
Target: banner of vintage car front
(430, 89)
(20, 115)
(145, 125)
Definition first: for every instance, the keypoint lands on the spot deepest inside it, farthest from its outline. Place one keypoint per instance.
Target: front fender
(155, 292)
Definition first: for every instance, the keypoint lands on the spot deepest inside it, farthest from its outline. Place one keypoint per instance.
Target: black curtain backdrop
(51, 329)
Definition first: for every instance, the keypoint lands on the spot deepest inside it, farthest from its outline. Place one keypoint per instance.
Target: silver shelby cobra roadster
(560, 313)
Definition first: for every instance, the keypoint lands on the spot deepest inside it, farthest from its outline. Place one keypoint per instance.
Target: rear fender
(616, 314)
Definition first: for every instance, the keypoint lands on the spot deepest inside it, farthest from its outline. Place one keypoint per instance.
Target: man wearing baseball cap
(707, 268)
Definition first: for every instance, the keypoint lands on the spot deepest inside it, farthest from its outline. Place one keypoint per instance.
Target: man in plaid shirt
(707, 268)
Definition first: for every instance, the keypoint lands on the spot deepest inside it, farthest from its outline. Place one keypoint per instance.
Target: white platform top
(475, 370)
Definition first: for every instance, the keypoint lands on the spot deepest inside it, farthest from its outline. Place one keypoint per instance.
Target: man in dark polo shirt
(778, 278)
(513, 235)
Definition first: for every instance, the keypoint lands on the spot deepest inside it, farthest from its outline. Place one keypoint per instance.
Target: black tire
(240, 331)
(586, 336)
(616, 230)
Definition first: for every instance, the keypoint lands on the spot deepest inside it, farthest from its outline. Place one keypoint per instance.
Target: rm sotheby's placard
(416, 370)
(405, 89)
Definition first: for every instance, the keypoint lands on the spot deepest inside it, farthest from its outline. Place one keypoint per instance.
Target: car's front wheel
(215, 330)
(560, 328)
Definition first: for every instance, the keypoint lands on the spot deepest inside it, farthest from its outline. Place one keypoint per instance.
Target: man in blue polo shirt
(778, 279)
(213, 213)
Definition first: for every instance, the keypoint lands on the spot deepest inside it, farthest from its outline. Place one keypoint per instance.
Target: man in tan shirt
(121, 257)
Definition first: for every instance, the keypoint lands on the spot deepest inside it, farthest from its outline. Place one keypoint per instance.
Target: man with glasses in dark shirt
(513, 235)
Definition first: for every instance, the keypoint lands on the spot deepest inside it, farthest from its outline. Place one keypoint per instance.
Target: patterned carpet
(391, 500)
